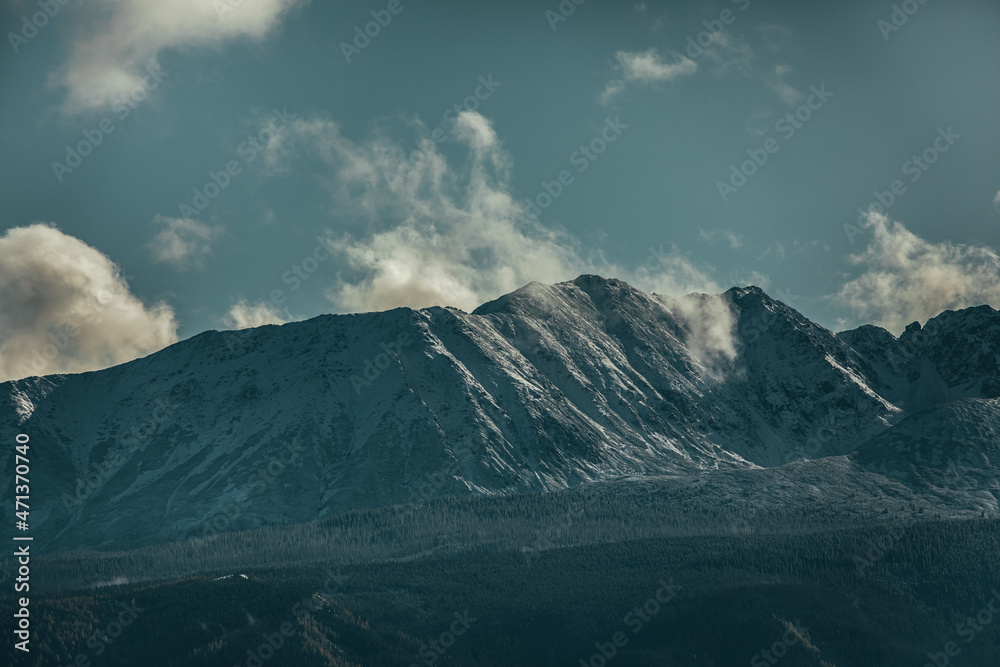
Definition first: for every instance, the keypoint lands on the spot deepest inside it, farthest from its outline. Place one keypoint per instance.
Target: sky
(170, 167)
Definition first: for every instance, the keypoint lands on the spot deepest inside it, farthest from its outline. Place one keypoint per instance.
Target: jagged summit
(544, 388)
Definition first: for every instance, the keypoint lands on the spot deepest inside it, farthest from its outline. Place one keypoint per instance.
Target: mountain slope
(544, 388)
(946, 451)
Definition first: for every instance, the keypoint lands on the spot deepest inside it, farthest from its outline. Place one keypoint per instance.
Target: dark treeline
(521, 523)
(882, 593)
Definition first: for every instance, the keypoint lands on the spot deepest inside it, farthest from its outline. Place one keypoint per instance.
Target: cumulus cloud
(244, 315)
(459, 237)
(457, 234)
(907, 278)
(182, 242)
(996, 200)
(108, 58)
(646, 67)
(66, 308)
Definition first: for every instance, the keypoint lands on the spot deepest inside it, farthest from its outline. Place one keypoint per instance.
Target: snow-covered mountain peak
(547, 387)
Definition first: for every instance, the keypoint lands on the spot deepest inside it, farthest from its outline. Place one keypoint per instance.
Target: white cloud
(458, 236)
(907, 278)
(672, 273)
(776, 83)
(646, 67)
(730, 53)
(476, 131)
(65, 308)
(711, 325)
(731, 238)
(108, 58)
(612, 89)
(996, 200)
(182, 242)
(244, 315)
(762, 281)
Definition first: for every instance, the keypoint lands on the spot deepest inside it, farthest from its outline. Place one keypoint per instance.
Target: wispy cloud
(454, 238)
(458, 234)
(649, 67)
(775, 36)
(182, 242)
(65, 307)
(730, 54)
(108, 57)
(907, 278)
(734, 240)
(646, 67)
(775, 82)
(244, 315)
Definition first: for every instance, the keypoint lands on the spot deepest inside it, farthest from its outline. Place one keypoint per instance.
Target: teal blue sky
(684, 119)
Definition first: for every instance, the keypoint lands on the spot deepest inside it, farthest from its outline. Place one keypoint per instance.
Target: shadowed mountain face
(944, 452)
(955, 355)
(544, 388)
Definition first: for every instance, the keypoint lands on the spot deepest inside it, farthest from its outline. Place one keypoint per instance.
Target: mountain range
(546, 388)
